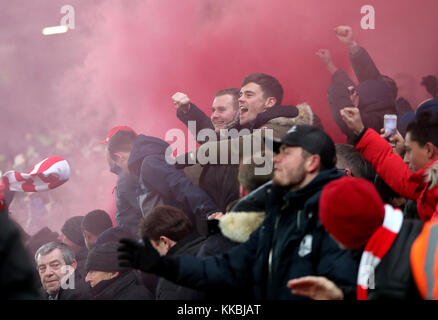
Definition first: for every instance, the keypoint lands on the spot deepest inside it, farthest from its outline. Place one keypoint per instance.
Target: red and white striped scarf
(376, 248)
(47, 174)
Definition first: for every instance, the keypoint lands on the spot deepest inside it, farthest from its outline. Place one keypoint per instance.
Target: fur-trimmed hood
(280, 119)
(238, 226)
(426, 180)
(305, 116)
(432, 175)
(281, 125)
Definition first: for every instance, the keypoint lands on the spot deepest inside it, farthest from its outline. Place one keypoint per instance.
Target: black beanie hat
(104, 258)
(73, 231)
(114, 234)
(96, 222)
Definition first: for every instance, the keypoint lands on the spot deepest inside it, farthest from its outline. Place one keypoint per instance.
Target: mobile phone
(390, 125)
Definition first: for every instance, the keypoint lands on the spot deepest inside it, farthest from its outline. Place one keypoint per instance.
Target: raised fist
(180, 99)
(345, 34)
(325, 56)
(352, 119)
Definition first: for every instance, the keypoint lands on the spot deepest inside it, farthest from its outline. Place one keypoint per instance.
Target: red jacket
(421, 185)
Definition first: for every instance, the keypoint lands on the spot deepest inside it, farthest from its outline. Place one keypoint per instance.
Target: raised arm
(232, 269)
(339, 77)
(326, 59)
(187, 111)
(363, 66)
(339, 98)
(376, 150)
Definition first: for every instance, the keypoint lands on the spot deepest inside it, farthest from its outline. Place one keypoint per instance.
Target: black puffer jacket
(167, 290)
(216, 242)
(221, 184)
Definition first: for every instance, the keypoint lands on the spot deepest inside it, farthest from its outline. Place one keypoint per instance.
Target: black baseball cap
(311, 139)
(429, 105)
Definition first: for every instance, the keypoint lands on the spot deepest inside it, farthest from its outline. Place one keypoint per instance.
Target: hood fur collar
(432, 175)
(238, 226)
(305, 116)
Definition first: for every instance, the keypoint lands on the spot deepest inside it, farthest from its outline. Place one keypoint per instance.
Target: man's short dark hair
(165, 221)
(234, 92)
(96, 222)
(424, 128)
(122, 140)
(353, 160)
(270, 86)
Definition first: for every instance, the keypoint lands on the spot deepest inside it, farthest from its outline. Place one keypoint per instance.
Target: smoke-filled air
(60, 94)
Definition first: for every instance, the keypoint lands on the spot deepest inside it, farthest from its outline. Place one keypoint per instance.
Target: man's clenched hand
(345, 34)
(352, 119)
(181, 100)
(325, 56)
(134, 254)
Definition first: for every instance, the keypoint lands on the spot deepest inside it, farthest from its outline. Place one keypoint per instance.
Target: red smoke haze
(124, 60)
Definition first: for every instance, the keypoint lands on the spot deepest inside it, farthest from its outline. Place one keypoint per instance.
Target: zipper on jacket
(298, 219)
(277, 219)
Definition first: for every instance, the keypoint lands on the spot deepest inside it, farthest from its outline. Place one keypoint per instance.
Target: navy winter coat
(147, 161)
(290, 243)
(128, 213)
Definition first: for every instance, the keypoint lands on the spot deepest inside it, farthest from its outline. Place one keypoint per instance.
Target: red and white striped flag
(376, 248)
(48, 174)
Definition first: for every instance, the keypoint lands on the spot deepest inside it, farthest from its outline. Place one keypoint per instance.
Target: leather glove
(137, 255)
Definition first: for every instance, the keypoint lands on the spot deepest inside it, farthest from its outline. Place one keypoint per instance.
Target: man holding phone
(414, 177)
(390, 127)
